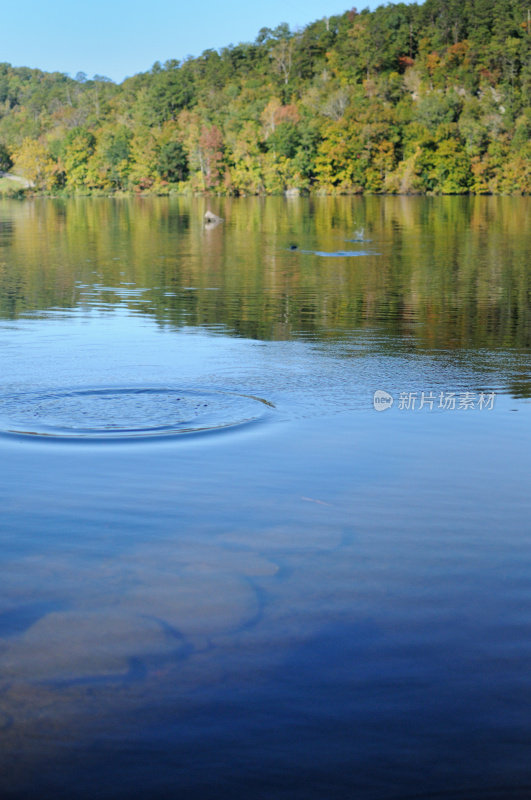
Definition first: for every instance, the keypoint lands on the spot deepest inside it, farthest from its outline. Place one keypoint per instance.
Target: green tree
(6, 162)
(173, 162)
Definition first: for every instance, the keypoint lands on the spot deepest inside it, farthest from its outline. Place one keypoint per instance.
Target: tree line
(407, 99)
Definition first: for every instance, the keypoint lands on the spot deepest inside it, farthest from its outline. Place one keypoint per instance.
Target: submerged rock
(80, 645)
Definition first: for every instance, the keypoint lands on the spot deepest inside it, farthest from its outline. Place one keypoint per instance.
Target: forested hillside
(430, 98)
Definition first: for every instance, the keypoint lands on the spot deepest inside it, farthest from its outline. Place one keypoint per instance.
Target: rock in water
(212, 218)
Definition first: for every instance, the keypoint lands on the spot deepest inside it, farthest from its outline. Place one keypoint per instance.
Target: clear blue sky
(118, 38)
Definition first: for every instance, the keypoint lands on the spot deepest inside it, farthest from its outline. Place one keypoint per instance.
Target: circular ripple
(116, 413)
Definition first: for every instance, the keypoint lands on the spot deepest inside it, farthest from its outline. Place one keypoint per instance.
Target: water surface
(309, 598)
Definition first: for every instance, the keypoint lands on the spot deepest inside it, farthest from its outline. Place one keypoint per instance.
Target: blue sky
(118, 38)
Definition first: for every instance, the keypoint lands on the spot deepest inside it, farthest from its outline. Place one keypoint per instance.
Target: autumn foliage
(431, 98)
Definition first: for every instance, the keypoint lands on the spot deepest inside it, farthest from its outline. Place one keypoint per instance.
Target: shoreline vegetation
(425, 99)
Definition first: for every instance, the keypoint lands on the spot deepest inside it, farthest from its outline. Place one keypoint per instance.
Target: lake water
(229, 570)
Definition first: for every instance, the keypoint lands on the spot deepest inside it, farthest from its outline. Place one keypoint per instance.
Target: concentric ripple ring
(126, 412)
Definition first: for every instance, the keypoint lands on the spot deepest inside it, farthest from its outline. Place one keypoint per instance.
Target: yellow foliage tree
(33, 161)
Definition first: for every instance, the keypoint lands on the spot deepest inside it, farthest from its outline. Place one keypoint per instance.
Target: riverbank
(13, 187)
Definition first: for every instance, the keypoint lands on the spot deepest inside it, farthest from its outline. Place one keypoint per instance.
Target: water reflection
(443, 272)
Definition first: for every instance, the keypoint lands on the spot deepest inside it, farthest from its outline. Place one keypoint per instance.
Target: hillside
(431, 98)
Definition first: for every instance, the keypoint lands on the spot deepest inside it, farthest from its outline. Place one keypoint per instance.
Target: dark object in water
(212, 218)
(293, 247)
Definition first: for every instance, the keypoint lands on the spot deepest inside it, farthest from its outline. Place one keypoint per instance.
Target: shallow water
(311, 597)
